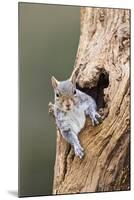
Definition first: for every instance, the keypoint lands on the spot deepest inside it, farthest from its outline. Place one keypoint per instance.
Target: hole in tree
(97, 92)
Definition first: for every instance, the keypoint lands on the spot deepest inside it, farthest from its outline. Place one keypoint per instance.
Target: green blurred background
(48, 40)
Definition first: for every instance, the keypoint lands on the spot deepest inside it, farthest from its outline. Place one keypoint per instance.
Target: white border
(9, 97)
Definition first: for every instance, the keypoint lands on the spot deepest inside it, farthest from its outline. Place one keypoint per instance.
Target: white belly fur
(76, 119)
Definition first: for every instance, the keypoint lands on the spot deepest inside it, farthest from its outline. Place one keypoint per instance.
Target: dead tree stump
(103, 62)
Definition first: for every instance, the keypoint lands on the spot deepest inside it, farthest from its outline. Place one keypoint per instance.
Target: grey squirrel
(70, 110)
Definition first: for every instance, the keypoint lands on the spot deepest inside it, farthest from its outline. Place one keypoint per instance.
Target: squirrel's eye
(57, 95)
(74, 92)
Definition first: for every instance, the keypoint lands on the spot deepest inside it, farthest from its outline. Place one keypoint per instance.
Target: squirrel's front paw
(96, 119)
(51, 108)
(79, 151)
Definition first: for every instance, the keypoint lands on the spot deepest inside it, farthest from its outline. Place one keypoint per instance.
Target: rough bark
(102, 61)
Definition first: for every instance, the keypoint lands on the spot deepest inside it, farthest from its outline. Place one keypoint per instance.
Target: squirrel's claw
(98, 116)
(79, 152)
(96, 119)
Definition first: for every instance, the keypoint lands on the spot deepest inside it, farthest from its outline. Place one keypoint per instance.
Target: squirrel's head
(65, 93)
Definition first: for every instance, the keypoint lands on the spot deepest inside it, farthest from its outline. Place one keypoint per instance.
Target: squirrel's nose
(68, 105)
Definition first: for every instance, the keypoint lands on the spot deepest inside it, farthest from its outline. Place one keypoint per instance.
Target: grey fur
(71, 122)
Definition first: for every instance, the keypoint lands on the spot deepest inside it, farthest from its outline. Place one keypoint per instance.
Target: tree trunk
(102, 63)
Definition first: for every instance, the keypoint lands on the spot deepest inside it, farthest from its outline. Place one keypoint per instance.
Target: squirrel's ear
(54, 82)
(74, 75)
(73, 78)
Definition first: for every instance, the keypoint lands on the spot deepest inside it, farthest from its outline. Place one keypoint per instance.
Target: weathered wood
(102, 60)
